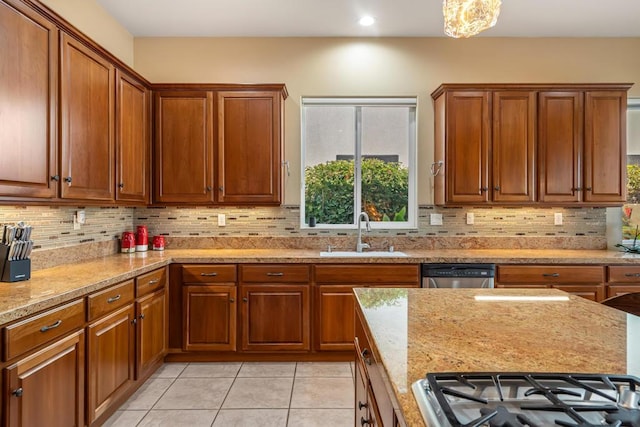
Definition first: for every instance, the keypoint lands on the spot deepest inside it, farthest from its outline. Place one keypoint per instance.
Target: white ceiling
(395, 18)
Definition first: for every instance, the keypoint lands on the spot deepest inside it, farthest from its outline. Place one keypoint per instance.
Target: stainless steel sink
(364, 254)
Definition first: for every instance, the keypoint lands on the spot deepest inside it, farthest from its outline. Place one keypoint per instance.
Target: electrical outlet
(222, 220)
(435, 219)
(82, 218)
(557, 218)
(471, 218)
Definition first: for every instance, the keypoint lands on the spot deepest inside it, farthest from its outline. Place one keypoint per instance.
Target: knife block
(13, 271)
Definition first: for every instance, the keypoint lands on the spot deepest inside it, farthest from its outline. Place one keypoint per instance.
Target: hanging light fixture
(466, 18)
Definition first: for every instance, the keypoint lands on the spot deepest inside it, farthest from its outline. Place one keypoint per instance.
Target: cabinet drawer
(624, 274)
(280, 273)
(107, 300)
(550, 274)
(203, 273)
(151, 282)
(28, 334)
(363, 274)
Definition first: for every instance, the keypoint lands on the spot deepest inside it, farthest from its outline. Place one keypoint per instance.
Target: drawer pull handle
(209, 274)
(53, 326)
(632, 274)
(275, 274)
(114, 299)
(362, 405)
(365, 357)
(550, 274)
(17, 392)
(153, 282)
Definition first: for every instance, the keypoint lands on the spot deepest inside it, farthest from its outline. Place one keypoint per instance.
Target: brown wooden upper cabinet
(87, 122)
(132, 139)
(530, 143)
(28, 105)
(240, 165)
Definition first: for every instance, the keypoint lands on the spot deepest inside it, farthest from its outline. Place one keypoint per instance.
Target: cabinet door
(617, 289)
(513, 149)
(111, 358)
(605, 147)
(87, 121)
(467, 147)
(275, 317)
(594, 292)
(249, 147)
(560, 136)
(28, 105)
(132, 140)
(151, 313)
(183, 147)
(209, 317)
(47, 387)
(334, 317)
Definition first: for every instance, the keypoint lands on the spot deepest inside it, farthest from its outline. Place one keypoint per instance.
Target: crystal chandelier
(466, 18)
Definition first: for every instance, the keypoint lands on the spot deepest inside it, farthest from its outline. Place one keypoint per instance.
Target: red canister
(142, 238)
(158, 243)
(128, 242)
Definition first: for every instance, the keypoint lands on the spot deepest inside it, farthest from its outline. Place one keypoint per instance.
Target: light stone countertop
(420, 331)
(53, 286)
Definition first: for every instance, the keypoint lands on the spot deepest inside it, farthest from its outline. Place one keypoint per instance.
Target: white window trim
(632, 104)
(412, 207)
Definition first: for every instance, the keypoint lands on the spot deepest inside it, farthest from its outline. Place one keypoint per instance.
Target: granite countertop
(53, 286)
(417, 331)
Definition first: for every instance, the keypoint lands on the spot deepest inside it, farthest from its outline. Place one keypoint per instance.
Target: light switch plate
(471, 218)
(76, 224)
(435, 219)
(222, 220)
(557, 218)
(81, 216)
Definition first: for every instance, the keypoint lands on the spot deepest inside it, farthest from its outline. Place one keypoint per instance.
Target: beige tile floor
(278, 394)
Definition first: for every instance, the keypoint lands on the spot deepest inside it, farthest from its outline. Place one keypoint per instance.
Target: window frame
(358, 103)
(632, 104)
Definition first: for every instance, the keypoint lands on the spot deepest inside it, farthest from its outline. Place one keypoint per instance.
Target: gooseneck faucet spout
(359, 245)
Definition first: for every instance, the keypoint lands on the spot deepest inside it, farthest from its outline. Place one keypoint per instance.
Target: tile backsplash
(53, 226)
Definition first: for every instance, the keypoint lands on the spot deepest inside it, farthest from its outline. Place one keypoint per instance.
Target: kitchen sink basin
(365, 254)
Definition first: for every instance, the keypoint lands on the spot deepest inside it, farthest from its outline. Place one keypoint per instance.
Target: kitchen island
(407, 333)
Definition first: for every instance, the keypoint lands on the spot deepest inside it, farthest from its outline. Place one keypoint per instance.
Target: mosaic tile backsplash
(53, 226)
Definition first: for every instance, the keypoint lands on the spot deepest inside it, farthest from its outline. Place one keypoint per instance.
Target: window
(631, 210)
(358, 155)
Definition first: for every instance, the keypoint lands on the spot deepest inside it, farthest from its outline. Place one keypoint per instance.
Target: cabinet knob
(576, 189)
(17, 392)
(55, 178)
(365, 356)
(142, 316)
(364, 422)
(588, 188)
(362, 405)
(497, 188)
(134, 321)
(245, 300)
(484, 188)
(67, 179)
(121, 185)
(232, 300)
(221, 188)
(209, 188)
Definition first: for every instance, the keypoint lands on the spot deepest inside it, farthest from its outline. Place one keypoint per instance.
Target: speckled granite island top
(418, 331)
(53, 286)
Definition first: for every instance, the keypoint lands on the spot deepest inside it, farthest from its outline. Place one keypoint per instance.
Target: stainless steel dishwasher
(458, 275)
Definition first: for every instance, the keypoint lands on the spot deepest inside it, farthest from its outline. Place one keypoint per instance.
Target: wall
(383, 67)
(90, 17)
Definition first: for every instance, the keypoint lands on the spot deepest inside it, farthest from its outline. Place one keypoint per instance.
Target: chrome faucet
(359, 245)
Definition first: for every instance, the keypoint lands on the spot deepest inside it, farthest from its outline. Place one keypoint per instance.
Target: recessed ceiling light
(366, 21)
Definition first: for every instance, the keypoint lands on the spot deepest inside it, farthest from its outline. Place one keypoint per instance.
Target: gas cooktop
(528, 399)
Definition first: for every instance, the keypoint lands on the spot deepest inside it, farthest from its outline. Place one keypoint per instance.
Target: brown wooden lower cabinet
(46, 388)
(209, 321)
(619, 289)
(584, 281)
(151, 315)
(623, 279)
(275, 317)
(335, 317)
(111, 360)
